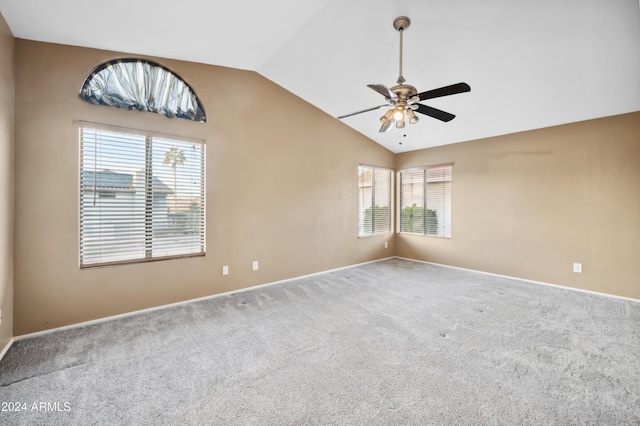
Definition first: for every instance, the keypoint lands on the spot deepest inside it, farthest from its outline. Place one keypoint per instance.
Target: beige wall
(7, 110)
(281, 189)
(530, 204)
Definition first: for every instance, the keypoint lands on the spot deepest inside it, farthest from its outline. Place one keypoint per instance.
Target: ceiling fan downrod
(401, 23)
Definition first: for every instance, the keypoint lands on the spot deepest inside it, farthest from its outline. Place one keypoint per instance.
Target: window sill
(381, 234)
(423, 235)
(138, 261)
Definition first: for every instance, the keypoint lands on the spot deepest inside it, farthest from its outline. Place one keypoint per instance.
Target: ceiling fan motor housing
(404, 91)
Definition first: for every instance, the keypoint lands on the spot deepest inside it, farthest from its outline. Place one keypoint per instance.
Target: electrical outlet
(386, 244)
(577, 267)
(255, 265)
(225, 270)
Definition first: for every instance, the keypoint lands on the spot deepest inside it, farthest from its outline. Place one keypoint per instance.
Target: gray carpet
(393, 342)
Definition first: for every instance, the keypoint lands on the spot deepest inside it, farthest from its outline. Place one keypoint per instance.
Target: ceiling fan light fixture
(387, 117)
(398, 113)
(413, 118)
(400, 123)
(386, 126)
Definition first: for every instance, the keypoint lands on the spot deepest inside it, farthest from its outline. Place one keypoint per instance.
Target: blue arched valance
(143, 85)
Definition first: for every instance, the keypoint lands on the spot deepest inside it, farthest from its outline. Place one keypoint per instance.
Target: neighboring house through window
(425, 200)
(375, 200)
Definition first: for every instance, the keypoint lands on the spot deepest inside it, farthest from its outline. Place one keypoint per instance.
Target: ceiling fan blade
(360, 112)
(435, 113)
(383, 90)
(445, 91)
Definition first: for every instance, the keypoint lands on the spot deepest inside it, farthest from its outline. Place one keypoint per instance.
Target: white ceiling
(530, 63)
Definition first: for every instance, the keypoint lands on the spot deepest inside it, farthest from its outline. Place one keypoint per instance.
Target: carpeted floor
(392, 342)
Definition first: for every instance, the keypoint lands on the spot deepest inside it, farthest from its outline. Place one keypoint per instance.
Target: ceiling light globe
(386, 126)
(398, 114)
(385, 119)
(413, 118)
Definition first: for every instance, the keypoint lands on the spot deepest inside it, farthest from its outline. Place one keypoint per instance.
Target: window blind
(425, 201)
(141, 197)
(375, 195)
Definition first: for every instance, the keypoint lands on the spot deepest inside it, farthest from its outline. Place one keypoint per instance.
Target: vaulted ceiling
(530, 63)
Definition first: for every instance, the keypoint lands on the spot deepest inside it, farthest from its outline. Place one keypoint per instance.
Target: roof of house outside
(107, 180)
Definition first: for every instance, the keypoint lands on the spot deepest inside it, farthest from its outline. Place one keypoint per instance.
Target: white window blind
(141, 197)
(425, 201)
(375, 195)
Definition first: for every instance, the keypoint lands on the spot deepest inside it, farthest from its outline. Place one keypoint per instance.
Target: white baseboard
(6, 348)
(184, 302)
(596, 293)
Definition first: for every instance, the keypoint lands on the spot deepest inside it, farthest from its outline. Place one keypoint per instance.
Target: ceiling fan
(403, 99)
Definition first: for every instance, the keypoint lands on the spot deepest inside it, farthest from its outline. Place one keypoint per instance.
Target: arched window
(143, 85)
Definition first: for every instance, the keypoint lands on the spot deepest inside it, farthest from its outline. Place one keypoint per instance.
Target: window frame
(149, 183)
(447, 230)
(390, 220)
